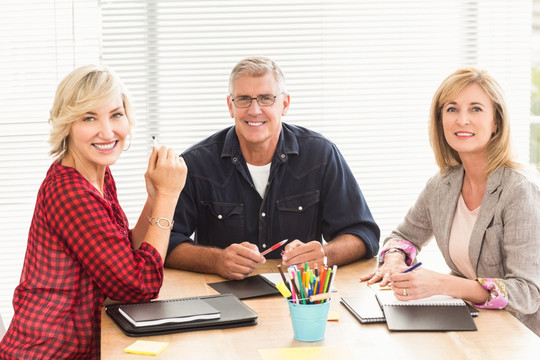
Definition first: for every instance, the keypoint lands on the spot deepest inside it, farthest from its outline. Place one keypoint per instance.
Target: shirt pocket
(299, 216)
(221, 223)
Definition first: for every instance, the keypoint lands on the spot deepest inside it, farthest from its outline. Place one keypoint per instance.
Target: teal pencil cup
(309, 320)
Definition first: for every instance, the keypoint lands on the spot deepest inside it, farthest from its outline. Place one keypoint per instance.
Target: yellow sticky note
(308, 353)
(378, 287)
(333, 316)
(144, 347)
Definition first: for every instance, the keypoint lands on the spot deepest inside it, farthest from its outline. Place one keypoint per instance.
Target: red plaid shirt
(79, 252)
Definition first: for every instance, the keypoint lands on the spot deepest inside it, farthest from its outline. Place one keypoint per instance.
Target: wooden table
(499, 335)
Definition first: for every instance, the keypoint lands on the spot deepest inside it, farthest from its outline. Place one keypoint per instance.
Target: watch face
(395, 250)
(392, 250)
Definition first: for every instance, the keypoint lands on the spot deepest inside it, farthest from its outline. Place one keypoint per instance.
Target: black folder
(234, 313)
(429, 318)
(249, 287)
(436, 313)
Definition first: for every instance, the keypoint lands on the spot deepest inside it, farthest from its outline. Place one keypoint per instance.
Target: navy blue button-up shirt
(311, 193)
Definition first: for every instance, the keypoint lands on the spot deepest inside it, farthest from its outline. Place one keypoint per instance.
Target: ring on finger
(378, 273)
(404, 292)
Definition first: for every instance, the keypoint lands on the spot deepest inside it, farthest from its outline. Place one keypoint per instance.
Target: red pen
(274, 247)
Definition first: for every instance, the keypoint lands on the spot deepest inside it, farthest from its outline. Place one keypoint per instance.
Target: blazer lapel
(485, 216)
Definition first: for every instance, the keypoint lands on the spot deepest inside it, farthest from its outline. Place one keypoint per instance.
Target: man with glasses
(261, 181)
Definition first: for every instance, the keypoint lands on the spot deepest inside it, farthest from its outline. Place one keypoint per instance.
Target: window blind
(360, 72)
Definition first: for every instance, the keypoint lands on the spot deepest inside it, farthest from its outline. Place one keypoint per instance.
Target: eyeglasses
(243, 101)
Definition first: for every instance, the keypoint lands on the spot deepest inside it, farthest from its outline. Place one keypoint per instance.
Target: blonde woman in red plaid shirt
(80, 249)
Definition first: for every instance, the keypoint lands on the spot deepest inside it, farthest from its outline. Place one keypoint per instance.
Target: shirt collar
(287, 144)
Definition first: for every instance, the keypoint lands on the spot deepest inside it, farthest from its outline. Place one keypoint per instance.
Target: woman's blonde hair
(499, 149)
(83, 90)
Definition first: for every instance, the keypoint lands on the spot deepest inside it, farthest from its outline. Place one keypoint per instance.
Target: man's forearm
(344, 249)
(188, 256)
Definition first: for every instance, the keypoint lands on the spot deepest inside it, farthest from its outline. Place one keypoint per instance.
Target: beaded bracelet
(157, 221)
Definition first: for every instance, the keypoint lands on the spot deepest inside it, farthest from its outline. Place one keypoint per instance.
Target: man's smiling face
(258, 126)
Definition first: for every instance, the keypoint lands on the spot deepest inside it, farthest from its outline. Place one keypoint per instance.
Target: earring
(129, 145)
(64, 146)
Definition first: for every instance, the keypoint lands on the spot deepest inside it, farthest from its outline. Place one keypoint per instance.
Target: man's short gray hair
(257, 66)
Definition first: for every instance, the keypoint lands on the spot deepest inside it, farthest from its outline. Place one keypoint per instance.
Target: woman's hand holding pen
(165, 178)
(298, 253)
(417, 284)
(166, 173)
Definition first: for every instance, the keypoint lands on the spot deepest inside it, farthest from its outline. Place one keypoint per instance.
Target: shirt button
(264, 246)
(234, 159)
(283, 156)
(300, 208)
(263, 214)
(220, 217)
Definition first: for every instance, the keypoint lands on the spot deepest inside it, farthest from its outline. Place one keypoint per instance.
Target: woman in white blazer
(482, 208)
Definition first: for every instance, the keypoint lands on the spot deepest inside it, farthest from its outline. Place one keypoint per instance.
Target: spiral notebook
(435, 313)
(366, 309)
